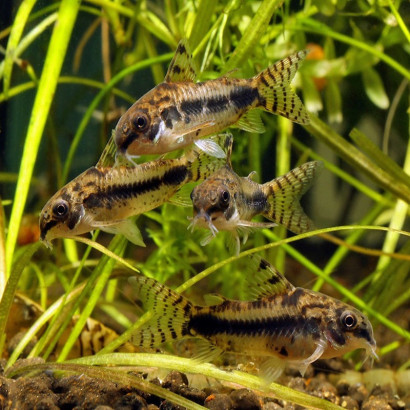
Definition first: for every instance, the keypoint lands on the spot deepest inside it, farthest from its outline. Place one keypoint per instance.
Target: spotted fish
(105, 197)
(180, 111)
(285, 324)
(226, 201)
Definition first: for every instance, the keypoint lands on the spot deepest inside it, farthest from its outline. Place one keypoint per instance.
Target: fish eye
(349, 320)
(224, 198)
(141, 122)
(60, 209)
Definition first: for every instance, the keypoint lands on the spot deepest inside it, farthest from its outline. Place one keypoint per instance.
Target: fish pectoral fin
(182, 196)
(271, 369)
(209, 235)
(254, 225)
(264, 280)
(211, 148)
(303, 364)
(233, 243)
(206, 352)
(181, 68)
(251, 122)
(126, 227)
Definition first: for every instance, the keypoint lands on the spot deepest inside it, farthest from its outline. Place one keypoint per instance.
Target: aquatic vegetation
(66, 85)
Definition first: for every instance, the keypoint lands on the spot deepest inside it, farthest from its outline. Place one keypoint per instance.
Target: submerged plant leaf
(374, 88)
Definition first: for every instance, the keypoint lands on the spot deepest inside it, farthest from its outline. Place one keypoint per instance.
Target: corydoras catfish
(226, 201)
(285, 324)
(105, 197)
(180, 111)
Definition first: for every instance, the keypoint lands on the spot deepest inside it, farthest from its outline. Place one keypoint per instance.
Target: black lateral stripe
(217, 104)
(193, 107)
(173, 177)
(243, 96)
(208, 325)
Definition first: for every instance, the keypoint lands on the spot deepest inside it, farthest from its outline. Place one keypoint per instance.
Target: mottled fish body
(226, 201)
(284, 323)
(179, 111)
(105, 197)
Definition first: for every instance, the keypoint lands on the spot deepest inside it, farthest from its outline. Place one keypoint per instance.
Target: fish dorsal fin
(265, 280)
(181, 68)
(251, 122)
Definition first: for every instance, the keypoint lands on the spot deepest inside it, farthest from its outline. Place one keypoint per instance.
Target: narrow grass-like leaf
(356, 158)
(45, 94)
(16, 32)
(36, 327)
(93, 290)
(113, 375)
(192, 366)
(252, 35)
(11, 286)
(3, 266)
(379, 157)
(374, 88)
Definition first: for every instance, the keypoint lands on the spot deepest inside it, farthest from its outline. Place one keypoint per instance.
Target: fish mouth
(202, 218)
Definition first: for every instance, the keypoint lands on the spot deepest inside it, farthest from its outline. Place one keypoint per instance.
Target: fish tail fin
(202, 164)
(284, 193)
(171, 311)
(275, 93)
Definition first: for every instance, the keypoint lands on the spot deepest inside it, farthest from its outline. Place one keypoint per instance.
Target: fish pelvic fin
(171, 311)
(283, 195)
(275, 93)
(202, 164)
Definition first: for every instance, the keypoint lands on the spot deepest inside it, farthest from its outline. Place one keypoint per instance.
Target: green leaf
(374, 88)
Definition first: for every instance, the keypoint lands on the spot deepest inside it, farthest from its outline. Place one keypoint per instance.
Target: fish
(282, 324)
(226, 201)
(180, 111)
(105, 197)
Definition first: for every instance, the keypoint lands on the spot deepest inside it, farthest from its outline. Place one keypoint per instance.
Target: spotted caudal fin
(275, 92)
(284, 193)
(171, 312)
(203, 164)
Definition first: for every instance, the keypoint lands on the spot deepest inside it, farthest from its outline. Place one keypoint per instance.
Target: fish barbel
(105, 197)
(179, 111)
(226, 201)
(285, 323)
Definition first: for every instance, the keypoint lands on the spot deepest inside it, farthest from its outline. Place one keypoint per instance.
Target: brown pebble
(244, 399)
(175, 378)
(271, 406)
(297, 383)
(348, 403)
(358, 392)
(373, 403)
(218, 402)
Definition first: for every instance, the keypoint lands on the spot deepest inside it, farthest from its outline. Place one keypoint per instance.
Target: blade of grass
(3, 267)
(11, 286)
(36, 327)
(94, 288)
(192, 366)
(356, 158)
(252, 35)
(52, 66)
(19, 23)
(113, 375)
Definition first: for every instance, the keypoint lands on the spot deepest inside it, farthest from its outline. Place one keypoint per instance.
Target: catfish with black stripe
(180, 111)
(226, 201)
(105, 197)
(283, 323)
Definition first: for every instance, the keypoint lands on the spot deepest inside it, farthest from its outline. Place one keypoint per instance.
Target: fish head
(214, 205)
(62, 216)
(349, 329)
(146, 122)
